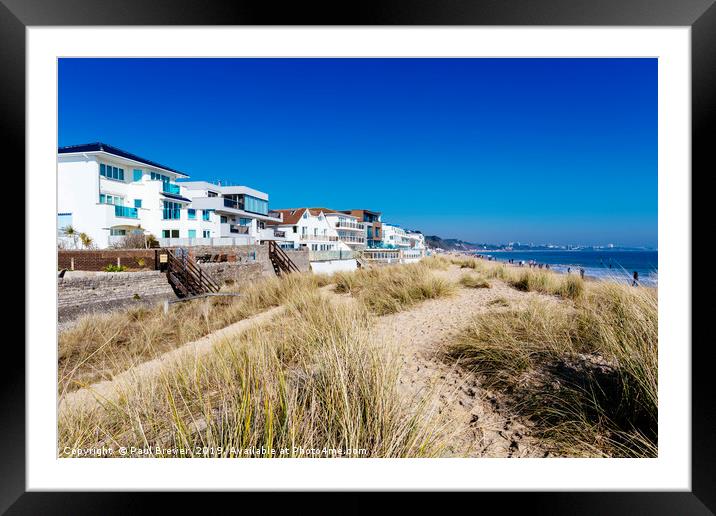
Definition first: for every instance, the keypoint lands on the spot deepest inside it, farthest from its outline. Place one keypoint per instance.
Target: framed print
(435, 249)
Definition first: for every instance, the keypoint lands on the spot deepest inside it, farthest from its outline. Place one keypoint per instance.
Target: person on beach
(635, 281)
(569, 270)
(546, 266)
(581, 273)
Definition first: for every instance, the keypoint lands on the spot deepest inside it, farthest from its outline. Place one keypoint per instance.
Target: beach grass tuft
(394, 288)
(474, 281)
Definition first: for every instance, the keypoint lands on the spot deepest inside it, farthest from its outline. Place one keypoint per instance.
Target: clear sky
(486, 150)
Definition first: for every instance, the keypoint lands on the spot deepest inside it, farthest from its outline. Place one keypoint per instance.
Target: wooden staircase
(186, 277)
(280, 260)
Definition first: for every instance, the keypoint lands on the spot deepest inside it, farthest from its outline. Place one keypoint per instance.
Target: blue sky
(486, 150)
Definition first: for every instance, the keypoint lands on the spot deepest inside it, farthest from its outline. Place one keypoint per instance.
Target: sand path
(475, 414)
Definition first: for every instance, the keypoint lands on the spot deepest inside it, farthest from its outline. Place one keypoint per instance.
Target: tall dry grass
(526, 279)
(315, 379)
(585, 373)
(101, 345)
(393, 288)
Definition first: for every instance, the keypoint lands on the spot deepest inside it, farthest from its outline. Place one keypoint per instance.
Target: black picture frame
(700, 15)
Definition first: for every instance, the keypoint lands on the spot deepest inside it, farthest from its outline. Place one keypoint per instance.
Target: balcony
(320, 238)
(357, 226)
(324, 256)
(125, 212)
(353, 239)
(240, 230)
(230, 203)
(170, 188)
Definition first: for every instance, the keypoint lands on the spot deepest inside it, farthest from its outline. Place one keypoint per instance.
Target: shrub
(115, 268)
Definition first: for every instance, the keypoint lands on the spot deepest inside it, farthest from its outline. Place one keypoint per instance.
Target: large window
(137, 174)
(170, 233)
(172, 210)
(155, 176)
(111, 172)
(110, 199)
(206, 215)
(191, 214)
(137, 203)
(192, 233)
(255, 205)
(207, 233)
(117, 232)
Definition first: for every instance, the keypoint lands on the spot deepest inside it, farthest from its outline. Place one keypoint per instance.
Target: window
(63, 220)
(205, 215)
(224, 220)
(117, 232)
(110, 199)
(111, 172)
(137, 174)
(170, 233)
(255, 205)
(155, 176)
(209, 193)
(191, 213)
(244, 222)
(137, 203)
(295, 229)
(172, 210)
(192, 233)
(207, 233)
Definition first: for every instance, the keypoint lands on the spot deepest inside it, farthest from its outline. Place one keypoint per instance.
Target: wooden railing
(280, 260)
(186, 277)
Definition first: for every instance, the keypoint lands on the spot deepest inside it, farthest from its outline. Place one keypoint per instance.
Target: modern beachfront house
(310, 228)
(108, 193)
(372, 223)
(395, 237)
(242, 213)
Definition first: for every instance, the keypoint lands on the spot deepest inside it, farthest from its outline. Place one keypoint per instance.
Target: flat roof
(109, 149)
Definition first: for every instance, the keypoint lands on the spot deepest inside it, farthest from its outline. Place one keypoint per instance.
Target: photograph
(357, 257)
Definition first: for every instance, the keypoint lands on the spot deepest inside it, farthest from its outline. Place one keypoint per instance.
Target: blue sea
(615, 264)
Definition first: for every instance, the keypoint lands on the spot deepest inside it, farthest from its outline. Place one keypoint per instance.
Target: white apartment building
(109, 193)
(395, 237)
(242, 213)
(310, 228)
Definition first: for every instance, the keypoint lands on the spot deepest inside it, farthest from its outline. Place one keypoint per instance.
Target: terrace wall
(82, 292)
(98, 259)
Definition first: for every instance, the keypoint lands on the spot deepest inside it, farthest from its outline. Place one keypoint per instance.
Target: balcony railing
(320, 238)
(241, 230)
(126, 212)
(350, 225)
(353, 239)
(170, 188)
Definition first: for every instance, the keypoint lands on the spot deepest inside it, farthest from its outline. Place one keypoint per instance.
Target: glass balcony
(170, 188)
(125, 211)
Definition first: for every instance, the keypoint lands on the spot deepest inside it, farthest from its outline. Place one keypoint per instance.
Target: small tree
(86, 240)
(70, 232)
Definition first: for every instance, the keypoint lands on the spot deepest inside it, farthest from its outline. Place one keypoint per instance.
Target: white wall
(330, 267)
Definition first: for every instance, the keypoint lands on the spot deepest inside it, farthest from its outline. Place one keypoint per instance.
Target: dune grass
(526, 280)
(394, 288)
(474, 281)
(313, 380)
(101, 345)
(586, 373)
